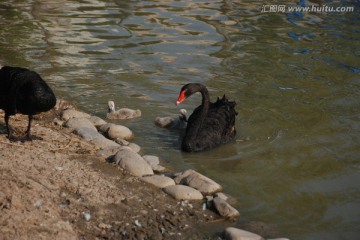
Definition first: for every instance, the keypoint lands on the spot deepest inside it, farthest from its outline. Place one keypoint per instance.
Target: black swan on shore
(211, 124)
(23, 91)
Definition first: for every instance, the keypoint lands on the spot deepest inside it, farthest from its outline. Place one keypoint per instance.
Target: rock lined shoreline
(186, 185)
(112, 143)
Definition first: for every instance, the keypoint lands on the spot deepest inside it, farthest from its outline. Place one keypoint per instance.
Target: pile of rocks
(112, 140)
(94, 129)
(113, 143)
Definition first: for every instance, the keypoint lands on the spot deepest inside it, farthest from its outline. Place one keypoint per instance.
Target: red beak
(181, 97)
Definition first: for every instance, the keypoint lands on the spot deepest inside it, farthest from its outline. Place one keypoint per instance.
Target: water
(295, 76)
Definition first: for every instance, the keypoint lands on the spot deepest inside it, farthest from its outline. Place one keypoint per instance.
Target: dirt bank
(55, 187)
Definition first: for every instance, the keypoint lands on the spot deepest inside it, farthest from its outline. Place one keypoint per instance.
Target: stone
(119, 131)
(136, 148)
(198, 181)
(181, 192)
(232, 233)
(104, 128)
(222, 196)
(159, 169)
(225, 209)
(103, 143)
(229, 199)
(151, 160)
(154, 161)
(75, 123)
(114, 131)
(122, 142)
(96, 121)
(70, 113)
(158, 181)
(132, 162)
(86, 216)
(107, 152)
(87, 133)
(277, 239)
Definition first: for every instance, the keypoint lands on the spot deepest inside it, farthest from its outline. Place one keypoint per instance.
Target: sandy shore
(56, 187)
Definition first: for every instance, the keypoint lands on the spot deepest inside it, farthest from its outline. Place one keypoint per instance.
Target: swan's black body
(211, 124)
(23, 91)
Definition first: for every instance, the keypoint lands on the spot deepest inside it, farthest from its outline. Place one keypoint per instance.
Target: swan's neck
(203, 111)
(205, 99)
(111, 108)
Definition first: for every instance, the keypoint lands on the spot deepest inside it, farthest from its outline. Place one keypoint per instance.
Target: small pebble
(38, 203)
(59, 168)
(144, 212)
(204, 206)
(86, 216)
(137, 223)
(65, 203)
(104, 226)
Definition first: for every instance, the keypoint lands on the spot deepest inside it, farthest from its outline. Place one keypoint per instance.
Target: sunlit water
(294, 167)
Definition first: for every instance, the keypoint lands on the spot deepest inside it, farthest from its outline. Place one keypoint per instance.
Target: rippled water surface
(294, 167)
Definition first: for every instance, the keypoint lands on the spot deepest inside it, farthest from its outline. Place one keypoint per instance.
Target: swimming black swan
(122, 113)
(23, 91)
(211, 124)
(178, 122)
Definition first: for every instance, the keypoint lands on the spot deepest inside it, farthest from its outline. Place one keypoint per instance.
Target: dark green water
(295, 167)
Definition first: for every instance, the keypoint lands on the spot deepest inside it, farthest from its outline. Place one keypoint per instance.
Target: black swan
(122, 113)
(23, 91)
(178, 122)
(211, 124)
